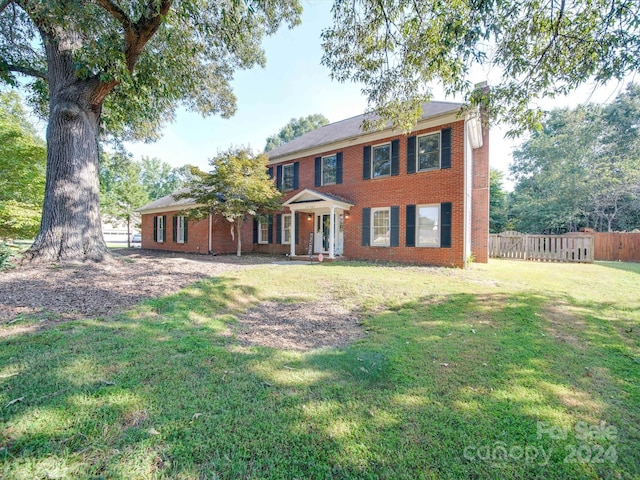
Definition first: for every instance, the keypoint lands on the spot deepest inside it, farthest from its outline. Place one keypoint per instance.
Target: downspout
(210, 224)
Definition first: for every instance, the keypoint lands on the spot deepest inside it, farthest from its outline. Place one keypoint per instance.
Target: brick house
(422, 197)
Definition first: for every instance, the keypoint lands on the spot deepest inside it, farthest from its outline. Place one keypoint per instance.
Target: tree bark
(71, 227)
(238, 230)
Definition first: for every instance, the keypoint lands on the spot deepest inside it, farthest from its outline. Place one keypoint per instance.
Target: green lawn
(508, 370)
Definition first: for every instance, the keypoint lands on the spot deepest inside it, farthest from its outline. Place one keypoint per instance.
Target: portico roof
(308, 200)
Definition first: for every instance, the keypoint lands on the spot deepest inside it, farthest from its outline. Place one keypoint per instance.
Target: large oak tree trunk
(71, 228)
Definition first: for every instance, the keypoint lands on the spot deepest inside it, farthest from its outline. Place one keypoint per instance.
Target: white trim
(283, 229)
(170, 208)
(372, 227)
(263, 241)
(417, 159)
(371, 159)
(293, 177)
(180, 223)
(323, 201)
(367, 138)
(335, 156)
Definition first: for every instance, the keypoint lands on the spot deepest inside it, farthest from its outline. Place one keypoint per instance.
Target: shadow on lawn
(165, 391)
(625, 266)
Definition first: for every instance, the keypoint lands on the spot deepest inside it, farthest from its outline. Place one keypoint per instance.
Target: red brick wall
(430, 187)
(480, 201)
(197, 235)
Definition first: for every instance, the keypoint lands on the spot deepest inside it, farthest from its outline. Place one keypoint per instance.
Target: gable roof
(167, 201)
(349, 128)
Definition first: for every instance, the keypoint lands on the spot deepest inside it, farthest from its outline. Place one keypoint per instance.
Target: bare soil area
(58, 293)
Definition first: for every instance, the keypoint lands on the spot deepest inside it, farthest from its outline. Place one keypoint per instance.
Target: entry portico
(328, 213)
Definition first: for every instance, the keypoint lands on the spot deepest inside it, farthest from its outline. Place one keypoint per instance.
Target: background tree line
(581, 169)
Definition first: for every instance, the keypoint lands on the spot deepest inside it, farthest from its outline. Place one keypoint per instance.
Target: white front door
(323, 231)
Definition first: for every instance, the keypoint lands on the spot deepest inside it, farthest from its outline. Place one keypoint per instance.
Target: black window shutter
(411, 154)
(339, 167)
(155, 228)
(297, 228)
(279, 177)
(394, 234)
(270, 240)
(395, 157)
(186, 228)
(270, 172)
(278, 228)
(445, 225)
(175, 228)
(445, 152)
(410, 240)
(164, 228)
(366, 162)
(255, 230)
(366, 226)
(318, 172)
(296, 175)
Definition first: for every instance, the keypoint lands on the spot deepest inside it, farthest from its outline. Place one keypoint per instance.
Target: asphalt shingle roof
(167, 201)
(351, 127)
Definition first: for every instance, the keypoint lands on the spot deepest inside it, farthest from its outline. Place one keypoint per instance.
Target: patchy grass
(510, 370)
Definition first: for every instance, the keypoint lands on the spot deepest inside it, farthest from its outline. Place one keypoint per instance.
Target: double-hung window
(380, 227)
(286, 229)
(288, 175)
(381, 160)
(180, 226)
(160, 228)
(263, 232)
(428, 225)
(329, 170)
(428, 154)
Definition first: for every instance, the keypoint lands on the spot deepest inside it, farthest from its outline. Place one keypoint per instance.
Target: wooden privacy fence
(548, 248)
(617, 246)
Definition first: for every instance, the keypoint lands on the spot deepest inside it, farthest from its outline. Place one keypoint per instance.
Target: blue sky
(294, 84)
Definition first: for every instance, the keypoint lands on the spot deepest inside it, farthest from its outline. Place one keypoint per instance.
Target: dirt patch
(70, 292)
(561, 322)
(299, 326)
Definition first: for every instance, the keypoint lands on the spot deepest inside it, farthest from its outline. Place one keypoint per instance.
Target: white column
(332, 233)
(292, 235)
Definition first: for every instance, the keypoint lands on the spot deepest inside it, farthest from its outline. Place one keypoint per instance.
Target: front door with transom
(323, 232)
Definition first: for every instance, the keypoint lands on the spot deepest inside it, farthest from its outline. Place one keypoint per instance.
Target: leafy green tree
(497, 202)
(295, 128)
(158, 178)
(121, 189)
(237, 187)
(581, 169)
(398, 49)
(22, 160)
(121, 67)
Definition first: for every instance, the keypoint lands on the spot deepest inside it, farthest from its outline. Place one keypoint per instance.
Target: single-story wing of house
(421, 197)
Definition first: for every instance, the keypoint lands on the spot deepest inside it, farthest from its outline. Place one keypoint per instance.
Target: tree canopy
(295, 128)
(581, 170)
(22, 160)
(237, 186)
(398, 49)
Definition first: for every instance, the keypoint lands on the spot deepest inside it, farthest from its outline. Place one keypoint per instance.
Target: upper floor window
(428, 223)
(329, 170)
(428, 157)
(288, 176)
(381, 160)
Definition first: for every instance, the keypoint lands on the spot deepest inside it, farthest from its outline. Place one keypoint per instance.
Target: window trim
(283, 229)
(180, 224)
(263, 241)
(417, 159)
(293, 174)
(373, 147)
(439, 224)
(373, 226)
(335, 182)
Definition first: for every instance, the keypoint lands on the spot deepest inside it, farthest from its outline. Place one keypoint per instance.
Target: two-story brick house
(385, 196)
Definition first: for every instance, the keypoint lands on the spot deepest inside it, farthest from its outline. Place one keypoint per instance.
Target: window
(329, 169)
(288, 175)
(429, 151)
(160, 228)
(380, 226)
(428, 223)
(263, 232)
(381, 161)
(286, 229)
(180, 226)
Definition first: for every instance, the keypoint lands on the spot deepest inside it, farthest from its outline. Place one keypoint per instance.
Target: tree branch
(32, 72)
(143, 30)
(4, 4)
(116, 12)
